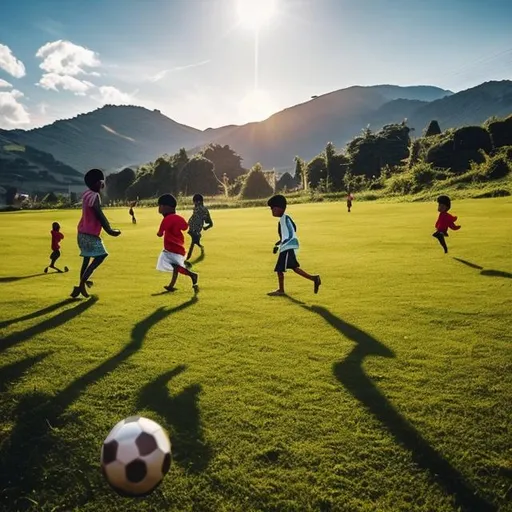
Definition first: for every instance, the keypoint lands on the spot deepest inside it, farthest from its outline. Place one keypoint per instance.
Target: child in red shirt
(172, 258)
(57, 236)
(444, 221)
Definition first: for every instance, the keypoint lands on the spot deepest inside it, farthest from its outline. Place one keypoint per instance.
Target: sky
(210, 63)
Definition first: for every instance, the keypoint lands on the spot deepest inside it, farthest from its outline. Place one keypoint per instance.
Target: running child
(444, 221)
(286, 246)
(199, 220)
(89, 229)
(172, 258)
(57, 236)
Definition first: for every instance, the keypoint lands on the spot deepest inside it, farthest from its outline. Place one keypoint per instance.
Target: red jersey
(172, 227)
(445, 221)
(57, 236)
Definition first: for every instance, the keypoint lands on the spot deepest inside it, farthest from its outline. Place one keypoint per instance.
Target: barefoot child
(444, 221)
(89, 229)
(286, 246)
(132, 213)
(57, 236)
(172, 258)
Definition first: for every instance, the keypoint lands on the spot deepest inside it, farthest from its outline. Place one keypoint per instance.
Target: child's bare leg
(86, 273)
(193, 276)
(316, 279)
(189, 254)
(280, 289)
(170, 286)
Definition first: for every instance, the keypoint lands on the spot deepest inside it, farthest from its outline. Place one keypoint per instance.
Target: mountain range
(116, 136)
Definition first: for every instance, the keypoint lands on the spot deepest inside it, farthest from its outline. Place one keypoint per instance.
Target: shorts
(168, 260)
(91, 246)
(196, 237)
(55, 255)
(286, 259)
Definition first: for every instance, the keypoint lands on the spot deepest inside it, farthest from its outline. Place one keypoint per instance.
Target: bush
(501, 132)
(401, 184)
(256, 185)
(496, 168)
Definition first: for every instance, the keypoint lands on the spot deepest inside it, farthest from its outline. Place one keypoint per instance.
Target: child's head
(56, 226)
(166, 204)
(277, 205)
(198, 199)
(443, 204)
(95, 179)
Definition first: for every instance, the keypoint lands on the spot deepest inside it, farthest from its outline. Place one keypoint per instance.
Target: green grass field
(390, 390)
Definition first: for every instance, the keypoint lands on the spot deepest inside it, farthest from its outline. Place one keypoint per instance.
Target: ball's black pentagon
(132, 419)
(136, 471)
(146, 443)
(110, 451)
(166, 464)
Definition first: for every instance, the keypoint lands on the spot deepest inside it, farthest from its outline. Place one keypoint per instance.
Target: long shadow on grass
(49, 323)
(11, 279)
(351, 374)
(35, 314)
(14, 371)
(486, 272)
(182, 412)
(36, 457)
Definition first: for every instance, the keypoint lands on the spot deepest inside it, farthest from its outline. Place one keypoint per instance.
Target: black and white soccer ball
(135, 456)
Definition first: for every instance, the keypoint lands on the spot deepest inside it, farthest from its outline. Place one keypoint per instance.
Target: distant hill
(470, 107)
(110, 137)
(116, 136)
(25, 166)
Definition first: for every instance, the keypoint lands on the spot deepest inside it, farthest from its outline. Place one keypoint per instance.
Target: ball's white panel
(148, 425)
(162, 440)
(115, 474)
(127, 451)
(128, 431)
(154, 462)
(114, 431)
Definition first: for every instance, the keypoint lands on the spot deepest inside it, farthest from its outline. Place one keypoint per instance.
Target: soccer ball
(135, 456)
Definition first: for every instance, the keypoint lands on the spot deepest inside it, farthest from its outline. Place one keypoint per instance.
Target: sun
(254, 14)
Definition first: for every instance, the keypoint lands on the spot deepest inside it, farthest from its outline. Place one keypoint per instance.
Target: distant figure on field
(350, 198)
(89, 229)
(286, 246)
(199, 220)
(132, 213)
(57, 236)
(444, 221)
(172, 258)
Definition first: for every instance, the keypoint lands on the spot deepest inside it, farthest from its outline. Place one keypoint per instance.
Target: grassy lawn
(390, 390)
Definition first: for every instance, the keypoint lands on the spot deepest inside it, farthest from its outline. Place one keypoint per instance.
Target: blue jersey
(287, 233)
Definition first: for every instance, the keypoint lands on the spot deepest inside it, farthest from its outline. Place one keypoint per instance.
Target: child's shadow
(182, 412)
(485, 272)
(350, 373)
(11, 279)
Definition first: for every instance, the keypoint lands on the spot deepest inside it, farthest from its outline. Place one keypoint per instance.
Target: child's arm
(208, 220)
(103, 220)
(452, 224)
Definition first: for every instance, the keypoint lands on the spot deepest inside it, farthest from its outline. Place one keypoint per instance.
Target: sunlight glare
(254, 14)
(257, 105)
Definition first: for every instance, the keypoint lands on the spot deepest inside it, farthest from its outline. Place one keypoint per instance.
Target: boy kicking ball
(286, 246)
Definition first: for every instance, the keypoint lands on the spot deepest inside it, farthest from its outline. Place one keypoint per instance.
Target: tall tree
(225, 160)
(299, 172)
(198, 177)
(433, 129)
(256, 185)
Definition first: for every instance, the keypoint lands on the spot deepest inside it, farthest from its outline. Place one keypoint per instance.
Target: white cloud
(65, 58)
(52, 81)
(9, 63)
(12, 113)
(4, 83)
(112, 96)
